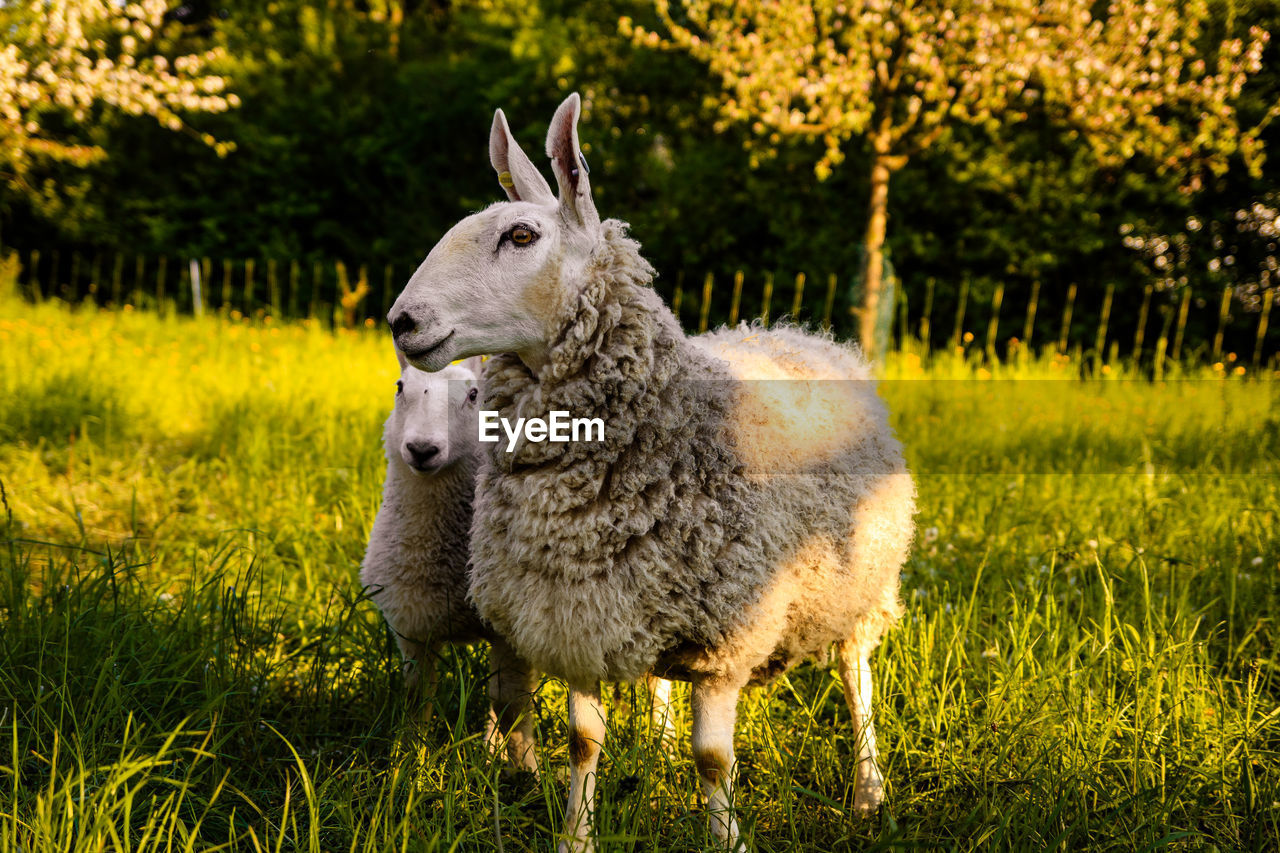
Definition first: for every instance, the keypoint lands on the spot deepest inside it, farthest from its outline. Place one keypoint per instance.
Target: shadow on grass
(226, 690)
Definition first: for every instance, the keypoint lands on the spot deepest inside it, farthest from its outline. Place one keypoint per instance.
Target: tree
(1138, 80)
(63, 60)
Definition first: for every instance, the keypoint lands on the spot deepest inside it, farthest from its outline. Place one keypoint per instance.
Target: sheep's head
(500, 280)
(436, 417)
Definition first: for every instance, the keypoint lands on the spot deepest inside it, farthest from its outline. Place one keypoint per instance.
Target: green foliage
(1088, 659)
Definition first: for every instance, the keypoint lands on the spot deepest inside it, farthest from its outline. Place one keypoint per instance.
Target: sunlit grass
(1088, 658)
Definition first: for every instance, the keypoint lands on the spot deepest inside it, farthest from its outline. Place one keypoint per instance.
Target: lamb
(415, 566)
(748, 507)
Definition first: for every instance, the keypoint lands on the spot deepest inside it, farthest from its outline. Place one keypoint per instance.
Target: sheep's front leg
(586, 735)
(855, 673)
(715, 711)
(420, 676)
(512, 683)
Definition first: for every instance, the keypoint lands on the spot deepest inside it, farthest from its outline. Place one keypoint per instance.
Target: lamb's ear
(569, 164)
(401, 359)
(516, 172)
(475, 364)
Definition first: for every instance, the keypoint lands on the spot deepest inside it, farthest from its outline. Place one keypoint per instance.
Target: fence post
(33, 275)
(75, 275)
(830, 302)
(273, 287)
(226, 286)
(677, 296)
(317, 281)
(1140, 334)
(1162, 343)
(958, 333)
(248, 287)
(1101, 341)
(1224, 317)
(1065, 332)
(162, 267)
(993, 326)
(197, 277)
(117, 281)
(736, 304)
(1262, 327)
(139, 267)
(206, 281)
(344, 287)
(705, 313)
(1029, 326)
(95, 276)
(768, 298)
(799, 300)
(293, 289)
(1183, 310)
(926, 318)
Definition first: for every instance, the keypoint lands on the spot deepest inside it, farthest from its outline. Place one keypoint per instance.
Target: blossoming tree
(1139, 78)
(62, 60)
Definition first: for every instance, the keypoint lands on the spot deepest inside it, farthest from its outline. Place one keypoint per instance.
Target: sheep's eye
(522, 236)
(472, 394)
(399, 387)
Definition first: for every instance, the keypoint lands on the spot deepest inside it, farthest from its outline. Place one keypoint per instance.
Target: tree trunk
(873, 248)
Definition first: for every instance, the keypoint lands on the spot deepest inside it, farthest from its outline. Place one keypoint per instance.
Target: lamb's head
(436, 417)
(500, 279)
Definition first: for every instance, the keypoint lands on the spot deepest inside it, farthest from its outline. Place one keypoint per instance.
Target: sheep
(415, 566)
(748, 506)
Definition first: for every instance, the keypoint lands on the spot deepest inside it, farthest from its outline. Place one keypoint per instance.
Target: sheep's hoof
(576, 845)
(868, 797)
(518, 782)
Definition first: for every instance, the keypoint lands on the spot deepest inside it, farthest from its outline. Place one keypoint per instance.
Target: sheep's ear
(569, 164)
(401, 359)
(475, 364)
(516, 172)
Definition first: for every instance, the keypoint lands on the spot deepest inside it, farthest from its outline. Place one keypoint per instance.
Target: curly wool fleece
(697, 539)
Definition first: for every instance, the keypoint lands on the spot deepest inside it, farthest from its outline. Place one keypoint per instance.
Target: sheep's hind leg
(586, 735)
(715, 711)
(512, 683)
(855, 673)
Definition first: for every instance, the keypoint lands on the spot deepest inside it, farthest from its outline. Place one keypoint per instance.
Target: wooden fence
(1197, 324)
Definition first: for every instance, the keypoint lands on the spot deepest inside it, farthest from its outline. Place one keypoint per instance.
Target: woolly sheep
(724, 529)
(415, 566)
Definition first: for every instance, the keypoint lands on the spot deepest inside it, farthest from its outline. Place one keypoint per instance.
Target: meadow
(1087, 661)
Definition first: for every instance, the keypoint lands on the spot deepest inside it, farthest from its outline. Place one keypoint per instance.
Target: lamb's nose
(422, 453)
(402, 324)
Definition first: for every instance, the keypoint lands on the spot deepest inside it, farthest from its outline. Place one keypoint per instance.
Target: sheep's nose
(423, 453)
(402, 324)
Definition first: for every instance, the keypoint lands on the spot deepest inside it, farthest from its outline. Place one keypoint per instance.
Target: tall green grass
(1088, 658)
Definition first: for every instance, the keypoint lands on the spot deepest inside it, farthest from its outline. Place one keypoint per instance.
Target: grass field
(1088, 659)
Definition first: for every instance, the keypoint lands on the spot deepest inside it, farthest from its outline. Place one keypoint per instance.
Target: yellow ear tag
(504, 178)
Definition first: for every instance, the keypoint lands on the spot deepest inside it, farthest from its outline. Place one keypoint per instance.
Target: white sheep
(415, 566)
(723, 530)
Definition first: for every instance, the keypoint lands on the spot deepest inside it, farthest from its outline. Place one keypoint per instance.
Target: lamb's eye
(521, 235)
(472, 394)
(399, 387)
